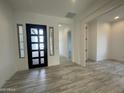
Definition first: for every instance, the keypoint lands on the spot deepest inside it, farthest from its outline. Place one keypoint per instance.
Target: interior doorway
(37, 45)
(65, 44)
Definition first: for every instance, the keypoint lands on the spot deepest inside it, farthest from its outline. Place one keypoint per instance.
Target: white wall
(92, 40)
(103, 40)
(7, 43)
(110, 38)
(77, 35)
(63, 38)
(23, 18)
(98, 40)
(117, 41)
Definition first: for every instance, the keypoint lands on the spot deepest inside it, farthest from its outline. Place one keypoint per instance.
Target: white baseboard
(116, 60)
(91, 60)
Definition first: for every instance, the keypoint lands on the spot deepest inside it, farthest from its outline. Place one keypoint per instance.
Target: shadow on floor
(64, 60)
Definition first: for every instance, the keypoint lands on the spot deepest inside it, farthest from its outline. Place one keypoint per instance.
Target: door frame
(86, 42)
(29, 46)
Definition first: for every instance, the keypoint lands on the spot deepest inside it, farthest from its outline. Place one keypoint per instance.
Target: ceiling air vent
(70, 15)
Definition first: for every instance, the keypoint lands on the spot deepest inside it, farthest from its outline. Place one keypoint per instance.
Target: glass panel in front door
(36, 40)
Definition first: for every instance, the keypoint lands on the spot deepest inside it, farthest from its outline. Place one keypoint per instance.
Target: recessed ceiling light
(117, 17)
(59, 25)
(73, 1)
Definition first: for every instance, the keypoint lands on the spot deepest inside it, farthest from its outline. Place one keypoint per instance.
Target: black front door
(37, 45)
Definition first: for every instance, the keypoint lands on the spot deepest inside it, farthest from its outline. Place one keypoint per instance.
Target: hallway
(103, 77)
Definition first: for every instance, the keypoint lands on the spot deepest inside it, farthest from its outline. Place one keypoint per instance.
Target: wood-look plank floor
(103, 77)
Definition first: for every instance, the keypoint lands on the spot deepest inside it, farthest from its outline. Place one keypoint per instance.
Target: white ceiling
(51, 7)
(109, 17)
